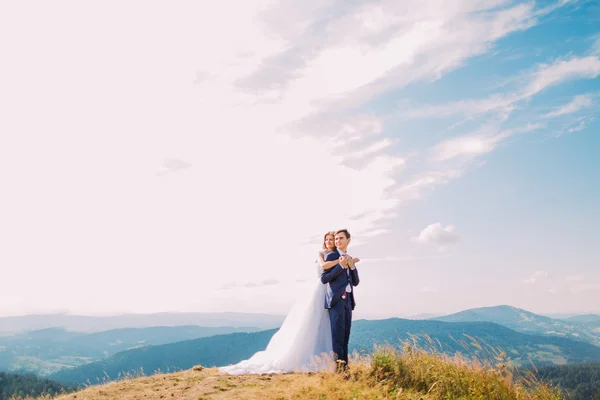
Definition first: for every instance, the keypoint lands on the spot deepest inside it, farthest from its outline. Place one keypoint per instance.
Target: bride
(303, 343)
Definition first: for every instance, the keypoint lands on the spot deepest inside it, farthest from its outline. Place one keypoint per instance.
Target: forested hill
(580, 381)
(13, 385)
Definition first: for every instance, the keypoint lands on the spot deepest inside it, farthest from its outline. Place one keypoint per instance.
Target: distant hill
(424, 316)
(585, 318)
(80, 323)
(18, 385)
(209, 351)
(442, 336)
(580, 381)
(46, 351)
(526, 322)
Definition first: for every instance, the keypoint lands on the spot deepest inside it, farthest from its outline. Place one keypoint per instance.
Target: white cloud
(586, 287)
(266, 282)
(465, 145)
(596, 46)
(428, 289)
(374, 148)
(406, 43)
(472, 145)
(575, 278)
(578, 127)
(406, 258)
(418, 185)
(173, 165)
(545, 76)
(438, 235)
(579, 102)
(551, 74)
(537, 276)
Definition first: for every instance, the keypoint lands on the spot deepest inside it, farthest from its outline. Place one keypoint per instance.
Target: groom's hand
(351, 261)
(343, 261)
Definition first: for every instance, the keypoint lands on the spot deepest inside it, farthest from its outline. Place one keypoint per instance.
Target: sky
(190, 156)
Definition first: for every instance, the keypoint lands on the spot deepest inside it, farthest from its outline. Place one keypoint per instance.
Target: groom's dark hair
(345, 232)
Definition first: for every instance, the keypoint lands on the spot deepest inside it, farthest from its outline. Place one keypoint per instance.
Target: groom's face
(341, 241)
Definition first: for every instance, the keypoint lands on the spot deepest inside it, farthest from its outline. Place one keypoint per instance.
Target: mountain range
(585, 319)
(83, 323)
(75, 356)
(483, 340)
(585, 328)
(49, 350)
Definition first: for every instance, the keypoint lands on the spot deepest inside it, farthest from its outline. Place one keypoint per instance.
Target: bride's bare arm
(326, 264)
(330, 264)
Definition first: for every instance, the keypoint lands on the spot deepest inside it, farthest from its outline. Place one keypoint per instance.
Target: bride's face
(329, 241)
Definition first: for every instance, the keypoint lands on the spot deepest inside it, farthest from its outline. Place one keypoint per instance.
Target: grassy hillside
(474, 339)
(388, 374)
(522, 349)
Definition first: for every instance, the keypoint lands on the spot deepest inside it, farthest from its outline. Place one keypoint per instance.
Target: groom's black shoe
(343, 370)
(342, 367)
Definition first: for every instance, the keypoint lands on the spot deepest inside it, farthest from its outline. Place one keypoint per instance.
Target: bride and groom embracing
(318, 325)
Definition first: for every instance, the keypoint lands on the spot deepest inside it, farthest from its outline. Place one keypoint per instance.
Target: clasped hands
(347, 261)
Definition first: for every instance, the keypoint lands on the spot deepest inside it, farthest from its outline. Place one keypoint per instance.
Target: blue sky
(529, 207)
(196, 166)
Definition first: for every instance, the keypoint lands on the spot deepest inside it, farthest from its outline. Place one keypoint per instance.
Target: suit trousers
(340, 317)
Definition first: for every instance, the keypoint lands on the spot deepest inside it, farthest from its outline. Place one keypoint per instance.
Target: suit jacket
(337, 279)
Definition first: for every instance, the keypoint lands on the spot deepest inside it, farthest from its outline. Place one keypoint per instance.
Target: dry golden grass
(210, 384)
(388, 374)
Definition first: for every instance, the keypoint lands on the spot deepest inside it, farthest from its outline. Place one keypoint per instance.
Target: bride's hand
(355, 260)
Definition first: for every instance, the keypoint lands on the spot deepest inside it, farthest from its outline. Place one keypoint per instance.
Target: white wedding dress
(302, 344)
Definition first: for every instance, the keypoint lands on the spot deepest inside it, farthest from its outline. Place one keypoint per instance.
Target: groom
(339, 296)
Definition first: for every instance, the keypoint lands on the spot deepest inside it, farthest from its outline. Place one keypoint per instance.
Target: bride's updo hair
(332, 233)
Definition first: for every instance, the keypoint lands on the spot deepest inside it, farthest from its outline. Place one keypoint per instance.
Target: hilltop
(412, 374)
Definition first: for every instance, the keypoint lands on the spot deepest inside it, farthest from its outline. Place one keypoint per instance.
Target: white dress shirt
(349, 287)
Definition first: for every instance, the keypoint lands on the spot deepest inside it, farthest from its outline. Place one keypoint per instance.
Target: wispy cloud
(543, 77)
(173, 165)
(376, 147)
(586, 287)
(579, 127)
(426, 41)
(266, 282)
(403, 259)
(596, 46)
(551, 74)
(537, 276)
(574, 125)
(479, 143)
(419, 185)
(579, 102)
(575, 278)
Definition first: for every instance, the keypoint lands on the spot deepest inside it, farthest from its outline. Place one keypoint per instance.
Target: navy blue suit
(340, 311)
